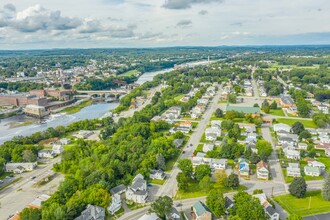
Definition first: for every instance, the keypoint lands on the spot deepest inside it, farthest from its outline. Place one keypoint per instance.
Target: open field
(277, 112)
(130, 73)
(306, 123)
(301, 206)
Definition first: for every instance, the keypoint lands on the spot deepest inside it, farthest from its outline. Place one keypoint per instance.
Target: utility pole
(310, 200)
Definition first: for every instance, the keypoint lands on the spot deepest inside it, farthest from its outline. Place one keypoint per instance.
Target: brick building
(22, 100)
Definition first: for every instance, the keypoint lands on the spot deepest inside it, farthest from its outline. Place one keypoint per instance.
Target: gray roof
(117, 189)
(270, 210)
(178, 142)
(229, 202)
(287, 99)
(138, 183)
(92, 212)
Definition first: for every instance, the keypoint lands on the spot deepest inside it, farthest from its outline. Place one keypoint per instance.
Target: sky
(39, 24)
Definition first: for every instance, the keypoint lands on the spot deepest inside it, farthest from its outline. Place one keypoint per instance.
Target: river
(89, 112)
(93, 111)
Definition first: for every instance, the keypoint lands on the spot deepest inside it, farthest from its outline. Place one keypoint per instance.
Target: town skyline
(132, 24)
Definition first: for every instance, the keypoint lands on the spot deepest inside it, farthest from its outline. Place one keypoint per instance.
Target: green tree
(162, 206)
(205, 184)
(29, 156)
(294, 217)
(264, 146)
(305, 134)
(234, 217)
(185, 165)
(30, 214)
(201, 171)
(216, 202)
(254, 158)
(160, 161)
(326, 188)
(182, 182)
(298, 127)
(218, 113)
(248, 207)
(232, 181)
(273, 105)
(220, 177)
(298, 187)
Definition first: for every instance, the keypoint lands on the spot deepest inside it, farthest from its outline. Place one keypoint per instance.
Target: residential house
(322, 146)
(201, 211)
(327, 152)
(269, 210)
(211, 137)
(312, 171)
(315, 163)
(46, 154)
(216, 123)
(218, 164)
(208, 147)
(324, 139)
(150, 216)
(65, 141)
(118, 190)
(186, 124)
(293, 170)
(178, 143)
(323, 108)
(92, 212)
(302, 146)
(182, 129)
(137, 192)
(57, 148)
(244, 167)
(292, 154)
(157, 174)
(213, 130)
(173, 113)
(173, 215)
(283, 127)
(286, 101)
(20, 167)
(115, 204)
(262, 170)
(229, 204)
(83, 134)
(312, 131)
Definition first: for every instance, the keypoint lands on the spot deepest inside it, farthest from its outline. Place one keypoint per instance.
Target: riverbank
(74, 109)
(19, 124)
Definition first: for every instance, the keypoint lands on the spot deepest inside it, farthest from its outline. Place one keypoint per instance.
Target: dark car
(32, 178)
(183, 151)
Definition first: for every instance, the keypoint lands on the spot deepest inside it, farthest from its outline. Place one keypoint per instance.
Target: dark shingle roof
(117, 189)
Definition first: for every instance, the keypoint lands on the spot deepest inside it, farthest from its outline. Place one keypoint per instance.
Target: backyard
(301, 206)
(306, 123)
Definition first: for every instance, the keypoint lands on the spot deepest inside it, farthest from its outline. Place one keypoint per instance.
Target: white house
(173, 112)
(115, 204)
(157, 174)
(281, 126)
(211, 137)
(315, 163)
(262, 170)
(302, 146)
(20, 167)
(292, 154)
(150, 216)
(137, 192)
(65, 141)
(46, 154)
(216, 123)
(293, 170)
(57, 148)
(312, 171)
(323, 108)
(213, 130)
(219, 164)
(208, 147)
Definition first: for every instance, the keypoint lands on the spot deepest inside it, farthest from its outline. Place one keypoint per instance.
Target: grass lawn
(203, 139)
(289, 179)
(194, 124)
(199, 148)
(278, 112)
(179, 97)
(170, 163)
(195, 192)
(158, 182)
(77, 108)
(326, 161)
(130, 73)
(300, 207)
(306, 123)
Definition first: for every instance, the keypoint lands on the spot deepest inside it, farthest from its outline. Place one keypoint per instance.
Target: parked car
(32, 178)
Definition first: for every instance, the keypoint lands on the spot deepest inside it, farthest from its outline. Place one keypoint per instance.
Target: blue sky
(34, 24)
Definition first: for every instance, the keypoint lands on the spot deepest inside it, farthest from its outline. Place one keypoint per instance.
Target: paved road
(25, 191)
(325, 216)
(170, 186)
